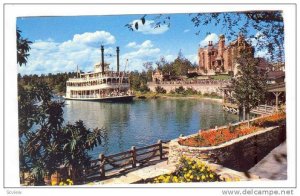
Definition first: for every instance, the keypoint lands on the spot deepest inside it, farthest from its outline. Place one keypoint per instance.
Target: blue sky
(62, 43)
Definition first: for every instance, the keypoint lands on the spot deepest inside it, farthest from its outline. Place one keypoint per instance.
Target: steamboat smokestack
(102, 58)
(118, 63)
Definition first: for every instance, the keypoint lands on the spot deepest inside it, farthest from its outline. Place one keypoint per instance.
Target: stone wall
(203, 88)
(239, 154)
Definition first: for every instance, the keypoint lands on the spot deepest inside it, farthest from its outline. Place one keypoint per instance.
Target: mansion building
(220, 58)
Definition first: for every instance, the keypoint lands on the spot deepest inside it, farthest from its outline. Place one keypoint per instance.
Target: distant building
(157, 76)
(219, 58)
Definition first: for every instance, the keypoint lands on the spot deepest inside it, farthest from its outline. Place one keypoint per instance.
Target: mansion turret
(219, 58)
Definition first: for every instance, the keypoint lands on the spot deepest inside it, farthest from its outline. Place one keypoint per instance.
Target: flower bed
(191, 170)
(272, 120)
(215, 137)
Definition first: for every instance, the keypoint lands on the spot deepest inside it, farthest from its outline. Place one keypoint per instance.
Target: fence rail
(106, 166)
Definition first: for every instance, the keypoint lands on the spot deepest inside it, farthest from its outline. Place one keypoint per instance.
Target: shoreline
(159, 96)
(219, 100)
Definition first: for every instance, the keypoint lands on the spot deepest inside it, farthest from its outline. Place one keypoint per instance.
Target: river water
(144, 122)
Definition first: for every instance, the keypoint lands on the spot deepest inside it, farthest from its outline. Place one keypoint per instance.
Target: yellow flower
(211, 176)
(190, 171)
(193, 167)
(53, 182)
(184, 169)
(198, 178)
(227, 179)
(191, 177)
(61, 184)
(203, 177)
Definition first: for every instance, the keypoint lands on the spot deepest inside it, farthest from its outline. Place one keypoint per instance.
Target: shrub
(190, 91)
(160, 89)
(144, 89)
(214, 94)
(189, 170)
(172, 92)
(180, 90)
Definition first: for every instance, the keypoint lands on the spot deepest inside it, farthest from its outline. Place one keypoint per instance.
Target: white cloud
(149, 27)
(83, 49)
(140, 54)
(263, 52)
(131, 44)
(170, 57)
(186, 30)
(101, 37)
(258, 37)
(145, 44)
(193, 58)
(211, 37)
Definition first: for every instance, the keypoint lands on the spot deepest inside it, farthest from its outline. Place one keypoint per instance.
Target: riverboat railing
(115, 164)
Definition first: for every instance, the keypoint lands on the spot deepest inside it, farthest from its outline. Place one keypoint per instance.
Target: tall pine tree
(249, 85)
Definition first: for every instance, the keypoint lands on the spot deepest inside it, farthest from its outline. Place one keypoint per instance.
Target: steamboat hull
(127, 98)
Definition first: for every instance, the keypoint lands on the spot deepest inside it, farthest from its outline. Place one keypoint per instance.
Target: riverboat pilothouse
(101, 84)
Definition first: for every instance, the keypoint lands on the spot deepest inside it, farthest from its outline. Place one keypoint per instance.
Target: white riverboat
(101, 84)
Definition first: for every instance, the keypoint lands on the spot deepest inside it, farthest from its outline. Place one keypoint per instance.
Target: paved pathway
(274, 165)
(141, 174)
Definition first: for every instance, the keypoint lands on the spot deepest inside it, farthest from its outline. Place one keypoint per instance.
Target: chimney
(102, 58)
(118, 64)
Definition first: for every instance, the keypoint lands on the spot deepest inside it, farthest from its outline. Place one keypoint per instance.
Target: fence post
(159, 142)
(133, 154)
(102, 164)
(266, 108)
(84, 177)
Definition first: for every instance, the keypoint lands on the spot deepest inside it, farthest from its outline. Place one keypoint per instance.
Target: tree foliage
(138, 81)
(23, 47)
(57, 82)
(45, 142)
(178, 67)
(181, 65)
(249, 85)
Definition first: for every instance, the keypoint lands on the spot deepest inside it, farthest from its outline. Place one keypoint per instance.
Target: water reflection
(143, 122)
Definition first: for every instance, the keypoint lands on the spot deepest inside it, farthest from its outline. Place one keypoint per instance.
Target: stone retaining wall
(203, 88)
(239, 154)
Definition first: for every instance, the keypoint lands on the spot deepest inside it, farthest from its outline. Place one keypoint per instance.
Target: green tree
(249, 85)
(22, 49)
(181, 65)
(138, 81)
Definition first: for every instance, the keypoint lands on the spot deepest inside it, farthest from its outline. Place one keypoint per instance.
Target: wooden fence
(115, 164)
